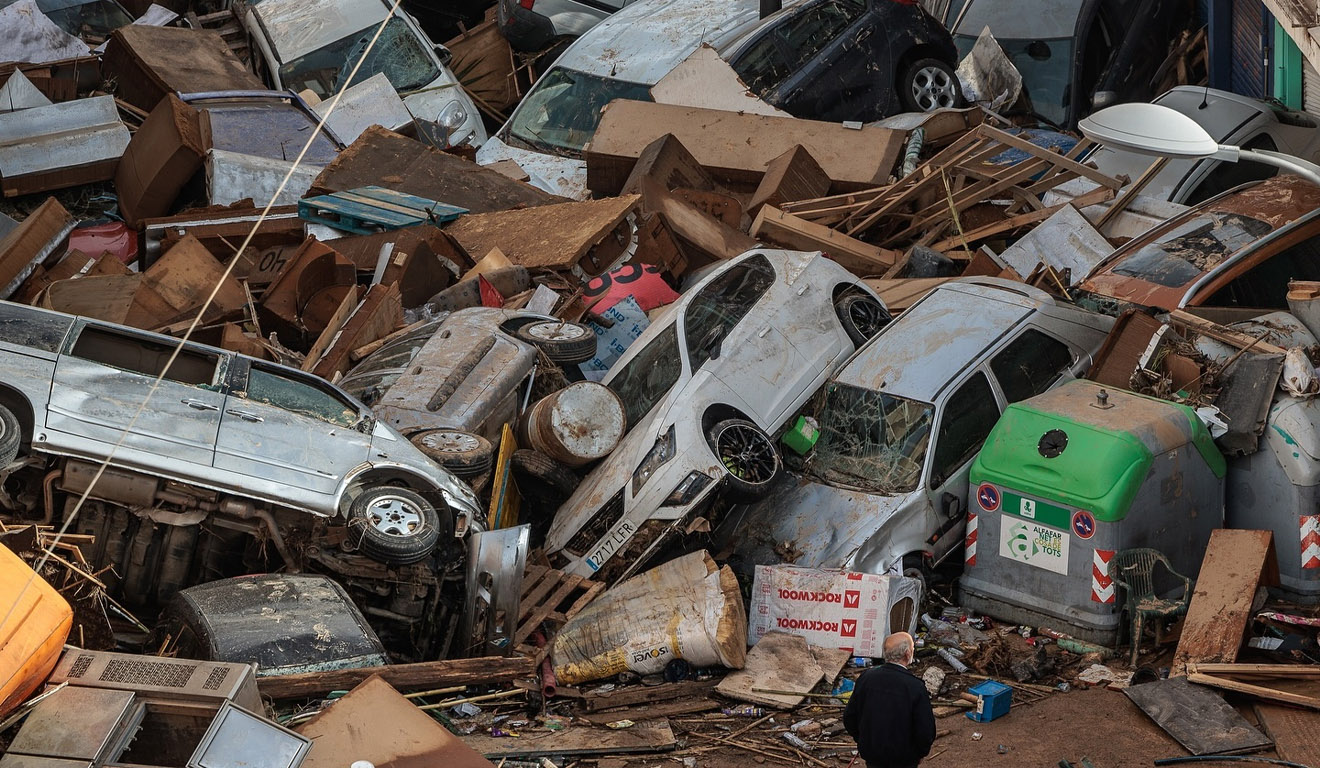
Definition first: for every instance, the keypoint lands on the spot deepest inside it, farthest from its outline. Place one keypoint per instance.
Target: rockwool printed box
(832, 609)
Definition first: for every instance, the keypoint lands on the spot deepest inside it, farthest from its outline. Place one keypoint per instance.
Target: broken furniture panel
(579, 741)
(420, 675)
(62, 145)
(707, 81)
(375, 723)
(233, 176)
(668, 162)
(794, 175)
(789, 231)
(185, 277)
(735, 147)
(380, 312)
(164, 154)
(1236, 563)
(702, 238)
(60, 80)
(1197, 717)
(586, 238)
(1123, 350)
(778, 662)
(221, 232)
(303, 298)
(483, 55)
(1065, 241)
(147, 63)
(30, 244)
(122, 299)
(422, 260)
(390, 160)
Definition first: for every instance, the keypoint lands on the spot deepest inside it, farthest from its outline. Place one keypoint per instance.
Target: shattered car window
(1189, 251)
(95, 19)
(719, 306)
(398, 55)
(649, 376)
(793, 42)
(1046, 67)
(282, 392)
(1028, 365)
(562, 111)
(871, 440)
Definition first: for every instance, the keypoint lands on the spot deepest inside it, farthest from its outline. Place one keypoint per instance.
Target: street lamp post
(1156, 130)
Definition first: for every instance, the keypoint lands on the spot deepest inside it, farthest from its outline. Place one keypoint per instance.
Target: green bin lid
(1062, 447)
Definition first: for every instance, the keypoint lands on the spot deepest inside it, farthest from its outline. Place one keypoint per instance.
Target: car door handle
(200, 405)
(244, 415)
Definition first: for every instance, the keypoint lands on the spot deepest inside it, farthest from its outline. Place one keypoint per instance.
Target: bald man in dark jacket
(889, 712)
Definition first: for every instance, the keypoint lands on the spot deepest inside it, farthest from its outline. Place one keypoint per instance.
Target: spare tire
(393, 525)
(466, 454)
(562, 342)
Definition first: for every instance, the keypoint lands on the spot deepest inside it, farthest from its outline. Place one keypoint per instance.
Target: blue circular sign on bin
(1083, 524)
(988, 497)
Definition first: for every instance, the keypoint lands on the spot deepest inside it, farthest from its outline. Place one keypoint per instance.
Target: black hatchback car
(850, 60)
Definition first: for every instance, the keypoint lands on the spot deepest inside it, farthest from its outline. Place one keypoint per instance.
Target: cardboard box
(161, 158)
(735, 148)
(830, 608)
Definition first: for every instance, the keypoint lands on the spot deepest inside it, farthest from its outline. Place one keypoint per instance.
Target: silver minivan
(900, 423)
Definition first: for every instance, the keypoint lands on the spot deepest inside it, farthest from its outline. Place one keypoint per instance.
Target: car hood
(810, 524)
(563, 176)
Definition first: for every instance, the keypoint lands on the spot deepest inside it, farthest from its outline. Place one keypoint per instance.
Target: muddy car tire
(466, 454)
(751, 461)
(861, 316)
(569, 343)
(395, 526)
(546, 470)
(927, 85)
(11, 436)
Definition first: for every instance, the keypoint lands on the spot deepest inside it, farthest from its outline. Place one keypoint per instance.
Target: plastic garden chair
(1134, 571)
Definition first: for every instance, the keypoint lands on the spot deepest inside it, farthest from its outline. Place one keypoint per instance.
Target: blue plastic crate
(993, 700)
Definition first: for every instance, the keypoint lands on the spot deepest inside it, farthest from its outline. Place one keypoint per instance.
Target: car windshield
(1046, 69)
(648, 376)
(95, 19)
(871, 440)
(561, 113)
(1192, 249)
(398, 54)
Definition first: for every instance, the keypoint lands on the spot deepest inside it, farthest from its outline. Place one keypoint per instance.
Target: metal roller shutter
(1248, 67)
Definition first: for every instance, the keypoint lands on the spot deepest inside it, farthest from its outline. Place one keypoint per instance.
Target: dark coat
(889, 715)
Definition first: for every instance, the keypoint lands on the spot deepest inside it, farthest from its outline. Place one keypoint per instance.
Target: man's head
(899, 648)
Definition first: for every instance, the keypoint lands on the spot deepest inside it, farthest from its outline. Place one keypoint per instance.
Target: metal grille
(214, 679)
(600, 523)
(80, 665)
(154, 673)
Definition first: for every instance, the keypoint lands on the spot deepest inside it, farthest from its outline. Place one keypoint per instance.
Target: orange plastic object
(34, 622)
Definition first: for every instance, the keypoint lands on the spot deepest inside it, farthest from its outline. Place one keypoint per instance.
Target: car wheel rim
(746, 454)
(451, 442)
(867, 317)
(556, 331)
(394, 516)
(932, 88)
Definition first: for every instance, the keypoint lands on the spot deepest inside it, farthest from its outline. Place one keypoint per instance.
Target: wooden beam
(1132, 190)
(1259, 691)
(1094, 197)
(426, 674)
(336, 324)
(1227, 335)
(790, 231)
(1257, 670)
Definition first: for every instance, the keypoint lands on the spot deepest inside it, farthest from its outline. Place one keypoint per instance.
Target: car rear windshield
(871, 440)
(397, 54)
(1046, 67)
(1192, 249)
(561, 113)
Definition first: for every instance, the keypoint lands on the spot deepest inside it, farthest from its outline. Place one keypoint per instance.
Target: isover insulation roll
(685, 609)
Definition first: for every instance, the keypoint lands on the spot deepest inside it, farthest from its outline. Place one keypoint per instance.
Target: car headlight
(453, 116)
(661, 452)
(688, 489)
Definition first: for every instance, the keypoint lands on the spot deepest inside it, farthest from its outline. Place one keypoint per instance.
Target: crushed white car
(704, 388)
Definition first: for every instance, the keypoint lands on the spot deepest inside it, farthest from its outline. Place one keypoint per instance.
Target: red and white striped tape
(1102, 587)
(969, 552)
(1308, 529)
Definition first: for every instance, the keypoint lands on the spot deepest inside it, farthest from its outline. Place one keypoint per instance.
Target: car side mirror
(444, 53)
(951, 506)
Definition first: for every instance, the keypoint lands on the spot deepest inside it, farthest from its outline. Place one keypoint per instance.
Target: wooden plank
(1256, 670)
(636, 695)
(788, 230)
(543, 611)
(31, 243)
(778, 662)
(1258, 691)
(663, 709)
(1236, 562)
(900, 293)
(185, 276)
(336, 323)
(1198, 718)
(1131, 191)
(558, 236)
(1094, 197)
(1055, 158)
(655, 736)
(380, 311)
(1296, 733)
(1227, 335)
(425, 674)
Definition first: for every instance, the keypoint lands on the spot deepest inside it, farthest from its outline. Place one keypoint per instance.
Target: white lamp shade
(1148, 129)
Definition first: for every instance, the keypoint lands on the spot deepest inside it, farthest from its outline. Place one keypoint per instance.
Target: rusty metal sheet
(1236, 563)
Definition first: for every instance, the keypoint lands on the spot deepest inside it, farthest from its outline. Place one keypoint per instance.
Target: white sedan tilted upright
(704, 387)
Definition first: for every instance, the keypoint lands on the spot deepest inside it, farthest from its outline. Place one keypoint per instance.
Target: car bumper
(525, 30)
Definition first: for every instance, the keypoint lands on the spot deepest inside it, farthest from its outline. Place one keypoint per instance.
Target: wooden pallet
(368, 210)
(544, 591)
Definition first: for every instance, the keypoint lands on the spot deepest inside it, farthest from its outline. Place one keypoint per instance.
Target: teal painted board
(368, 210)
